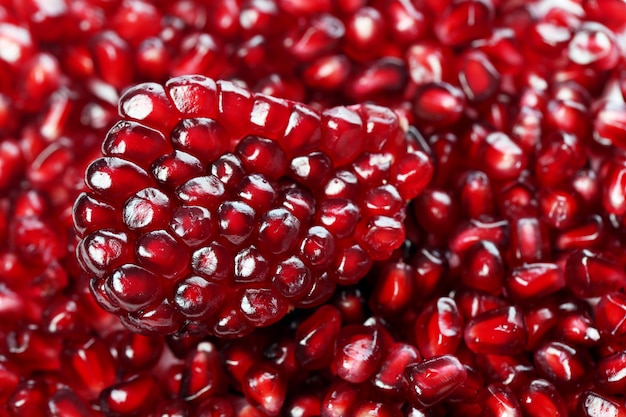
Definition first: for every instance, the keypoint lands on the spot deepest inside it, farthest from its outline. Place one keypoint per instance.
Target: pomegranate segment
(247, 219)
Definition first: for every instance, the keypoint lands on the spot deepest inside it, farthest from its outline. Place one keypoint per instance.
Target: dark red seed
(499, 331)
(358, 353)
(539, 398)
(561, 363)
(431, 381)
(438, 328)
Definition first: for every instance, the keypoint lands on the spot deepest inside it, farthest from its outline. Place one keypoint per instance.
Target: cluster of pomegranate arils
(507, 296)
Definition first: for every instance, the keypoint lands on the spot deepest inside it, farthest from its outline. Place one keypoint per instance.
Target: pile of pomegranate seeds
(498, 291)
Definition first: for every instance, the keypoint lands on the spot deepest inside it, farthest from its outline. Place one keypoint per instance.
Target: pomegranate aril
(202, 375)
(595, 46)
(394, 290)
(476, 195)
(65, 403)
(499, 400)
(341, 399)
(475, 230)
(388, 378)
(130, 396)
(593, 274)
(503, 158)
(382, 77)
(463, 22)
(135, 352)
(89, 366)
(540, 322)
(438, 328)
(365, 31)
(512, 371)
(593, 404)
(432, 380)
(609, 374)
(609, 314)
(357, 353)
(110, 54)
(405, 22)
(478, 77)
(483, 268)
(578, 329)
(562, 363)
(539, 398)
(535, 280)
(264, 385)
(436, 211)
(439, 104)
(498, 331)
(29, 398)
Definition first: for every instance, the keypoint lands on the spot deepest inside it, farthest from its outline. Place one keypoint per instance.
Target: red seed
(539, 398)
(431, 381)
(499, 331)
(535, 280)
(438, 328)
(358, 353)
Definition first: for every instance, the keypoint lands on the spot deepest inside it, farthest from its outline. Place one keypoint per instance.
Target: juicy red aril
(592, 274)
(610, 313)
(128, 396)
(609, 374)
(562, 363)
(432, 380)
(438, 328)
(388, 379)
(498, 331)
(483, 268)
(535, 280)
(439, 104)
(264, 385)
(394, 290)
(539, 398)
(512, 371)
(592, 404)
(464, 21)
(357, 353)
(499, 400)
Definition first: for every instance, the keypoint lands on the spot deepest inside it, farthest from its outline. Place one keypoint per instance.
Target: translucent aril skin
(200, 221)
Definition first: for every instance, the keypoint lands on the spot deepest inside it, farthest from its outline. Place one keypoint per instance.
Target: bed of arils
(508, 295)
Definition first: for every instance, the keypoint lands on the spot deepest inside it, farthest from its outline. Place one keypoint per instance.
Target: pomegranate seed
(341, 399)
(129, 396)
(438, 328)
(316, 337)
(535, 280)
(432, 380)
(463, 22)
(592, 404)
(561, 363)
(358, 353)
(539, 398)
(483, 268)
(498, 400)
(388, 379)
(608, 312)
(365, 31)
(512, 371)
(609, 373)
(607, 124)
(498, 331)
(439, 104)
